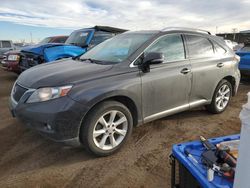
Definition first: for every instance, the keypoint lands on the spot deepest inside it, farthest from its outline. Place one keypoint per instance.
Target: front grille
(29, 60)
(18, 92)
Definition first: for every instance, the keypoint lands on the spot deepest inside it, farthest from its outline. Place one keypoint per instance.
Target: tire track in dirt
(29, 160)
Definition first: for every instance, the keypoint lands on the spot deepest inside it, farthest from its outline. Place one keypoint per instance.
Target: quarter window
(199, 47)
(218, 49)
(171, 46)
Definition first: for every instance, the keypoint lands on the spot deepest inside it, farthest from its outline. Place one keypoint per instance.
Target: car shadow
(25, 150)
(245, 80)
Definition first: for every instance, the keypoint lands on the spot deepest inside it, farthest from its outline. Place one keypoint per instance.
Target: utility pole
(234, 30)
(216, 29)
(31, 39)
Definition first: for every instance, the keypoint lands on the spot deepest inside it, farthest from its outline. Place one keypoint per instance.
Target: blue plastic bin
(199, 171)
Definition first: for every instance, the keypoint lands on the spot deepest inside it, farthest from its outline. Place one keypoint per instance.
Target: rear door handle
(185, 71)
(220, 65)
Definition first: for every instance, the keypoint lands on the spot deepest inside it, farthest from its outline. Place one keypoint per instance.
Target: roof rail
(186, 29)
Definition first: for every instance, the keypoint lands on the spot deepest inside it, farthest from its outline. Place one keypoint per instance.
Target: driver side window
(171, 46)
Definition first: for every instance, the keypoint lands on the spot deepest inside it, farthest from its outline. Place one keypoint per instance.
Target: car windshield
(78, 38)
(118, 48)
(245, 49)
(46, 40)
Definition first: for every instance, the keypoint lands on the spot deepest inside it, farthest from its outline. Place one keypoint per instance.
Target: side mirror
(149, 59)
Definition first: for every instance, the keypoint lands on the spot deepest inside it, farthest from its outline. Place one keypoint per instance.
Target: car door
(166, 88)
(207, 68)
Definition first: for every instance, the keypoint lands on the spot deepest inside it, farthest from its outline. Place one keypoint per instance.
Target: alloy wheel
(222, 97)
(110, 130)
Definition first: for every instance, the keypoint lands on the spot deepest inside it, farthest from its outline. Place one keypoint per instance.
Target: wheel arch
(232, 81)
(125, 100)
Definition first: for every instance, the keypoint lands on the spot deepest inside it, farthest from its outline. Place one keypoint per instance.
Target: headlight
(13, 57)
(48, 93)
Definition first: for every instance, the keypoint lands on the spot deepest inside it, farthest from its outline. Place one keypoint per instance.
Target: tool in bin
(217, 160)
(191, 157)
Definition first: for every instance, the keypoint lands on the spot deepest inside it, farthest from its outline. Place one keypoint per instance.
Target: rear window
(199, 47)
(6, 44)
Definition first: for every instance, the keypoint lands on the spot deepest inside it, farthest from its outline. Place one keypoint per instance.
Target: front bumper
(58, 119)
(12, 66)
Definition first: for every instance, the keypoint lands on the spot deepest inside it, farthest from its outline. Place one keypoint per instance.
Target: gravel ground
(29, 160)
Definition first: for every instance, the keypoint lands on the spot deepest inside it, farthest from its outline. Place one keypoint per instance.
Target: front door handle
(220, 65)
(185, 71)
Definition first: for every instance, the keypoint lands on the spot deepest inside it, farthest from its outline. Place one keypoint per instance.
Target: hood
(60, 73)
(13, 52)
(39, 48)
(58, 52)
(3, 51)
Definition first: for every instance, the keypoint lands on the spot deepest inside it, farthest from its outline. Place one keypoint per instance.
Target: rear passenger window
(199, 47)
(171, 46)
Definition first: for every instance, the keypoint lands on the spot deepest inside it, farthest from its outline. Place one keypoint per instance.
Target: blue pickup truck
(77, 43)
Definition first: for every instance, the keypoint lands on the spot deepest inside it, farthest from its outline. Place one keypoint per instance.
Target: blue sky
(17, 32)
(53, 17)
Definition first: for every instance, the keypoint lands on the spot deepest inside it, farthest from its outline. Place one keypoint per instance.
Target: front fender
(125, 85)
(64, 51)
(118, 94)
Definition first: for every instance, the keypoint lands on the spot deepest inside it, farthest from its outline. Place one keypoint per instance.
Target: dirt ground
(29, 160)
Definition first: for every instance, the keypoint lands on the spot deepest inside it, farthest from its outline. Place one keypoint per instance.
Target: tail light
(236, 58)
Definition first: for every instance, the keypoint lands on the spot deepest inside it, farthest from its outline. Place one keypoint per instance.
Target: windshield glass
(118, 48)
(245, 49)
(46, 40)
(78, 38)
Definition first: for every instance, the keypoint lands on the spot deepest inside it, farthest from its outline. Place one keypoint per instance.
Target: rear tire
(106, 128)
(221, 97)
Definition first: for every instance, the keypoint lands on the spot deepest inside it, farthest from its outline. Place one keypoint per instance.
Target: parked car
(130, 79)
(5, 46)
(244, 64)
(78, 43)
(12, 58)
(54, 39)
(11, 61)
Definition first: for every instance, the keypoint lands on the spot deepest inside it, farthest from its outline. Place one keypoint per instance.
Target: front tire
(221, 97)
(106, 128)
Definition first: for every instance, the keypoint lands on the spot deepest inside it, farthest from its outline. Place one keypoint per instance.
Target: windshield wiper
(90, 60)
(73, 43)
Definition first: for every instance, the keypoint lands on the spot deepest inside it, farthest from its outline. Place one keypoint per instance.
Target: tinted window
(60, 39)
(78, 38)
(46, 40)
(218, 49)
(6, 44)
(171, 46)
(199, 46)
(99, 37)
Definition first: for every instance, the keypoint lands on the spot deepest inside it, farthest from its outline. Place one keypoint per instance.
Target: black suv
(133, 78)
